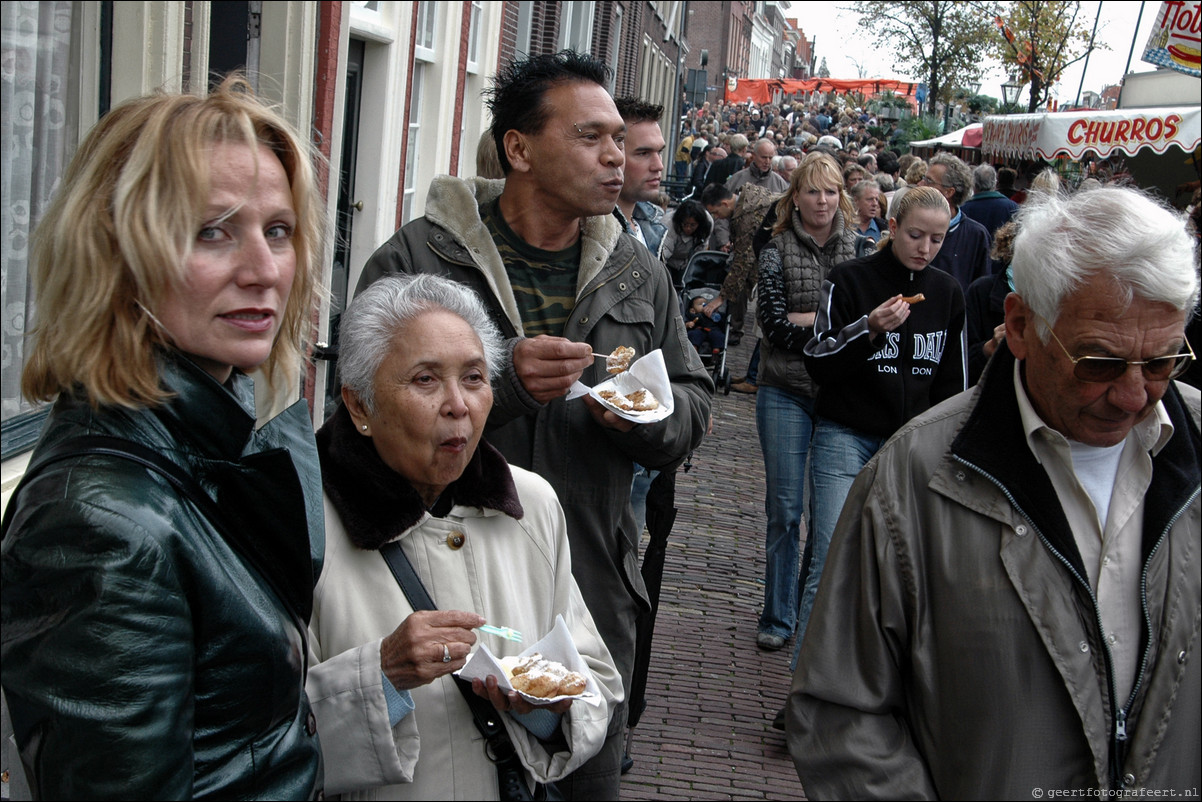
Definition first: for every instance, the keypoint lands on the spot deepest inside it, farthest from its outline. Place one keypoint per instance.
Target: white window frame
(473, 37)
(425, 32)
(414, 136)
(576, 20)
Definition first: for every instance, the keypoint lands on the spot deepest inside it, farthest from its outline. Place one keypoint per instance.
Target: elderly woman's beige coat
(515, 572)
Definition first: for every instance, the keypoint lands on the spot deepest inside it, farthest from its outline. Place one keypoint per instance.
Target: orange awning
(761, 90)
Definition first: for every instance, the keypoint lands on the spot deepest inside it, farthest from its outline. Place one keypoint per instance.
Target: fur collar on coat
(377, 505)
(454, 205)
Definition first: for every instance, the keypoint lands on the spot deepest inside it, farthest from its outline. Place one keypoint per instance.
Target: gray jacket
(624, 297)
(955, 652)
(792, 283)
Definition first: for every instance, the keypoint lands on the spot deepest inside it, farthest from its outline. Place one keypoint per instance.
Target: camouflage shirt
(544, 282)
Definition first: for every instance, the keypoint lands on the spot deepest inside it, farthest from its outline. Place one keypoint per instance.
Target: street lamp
(1010, 91)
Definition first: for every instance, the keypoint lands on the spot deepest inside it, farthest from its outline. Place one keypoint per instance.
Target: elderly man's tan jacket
(955, 650)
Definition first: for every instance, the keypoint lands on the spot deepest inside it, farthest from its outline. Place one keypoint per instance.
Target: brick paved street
(711, 696)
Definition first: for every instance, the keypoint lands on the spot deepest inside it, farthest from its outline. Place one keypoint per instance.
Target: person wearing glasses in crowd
(965, 251)
(1011, 599)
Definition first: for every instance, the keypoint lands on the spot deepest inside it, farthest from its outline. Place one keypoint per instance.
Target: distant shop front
(1158, 146)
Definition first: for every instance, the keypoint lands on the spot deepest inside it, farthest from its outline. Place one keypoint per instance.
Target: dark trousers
(736, 311)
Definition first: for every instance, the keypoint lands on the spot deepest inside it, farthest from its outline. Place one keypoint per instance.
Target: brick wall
(630, 56)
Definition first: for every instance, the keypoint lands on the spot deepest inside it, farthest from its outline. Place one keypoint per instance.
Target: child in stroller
(704, 333)
(702, 280)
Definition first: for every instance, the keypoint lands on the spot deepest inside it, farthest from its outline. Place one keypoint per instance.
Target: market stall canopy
(760, 90)
(967, 137)
(1074, 133)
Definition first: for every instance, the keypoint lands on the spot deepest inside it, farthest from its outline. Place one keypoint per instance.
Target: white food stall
(1158, 145)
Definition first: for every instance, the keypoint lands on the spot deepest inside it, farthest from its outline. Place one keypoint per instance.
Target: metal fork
(508, 633)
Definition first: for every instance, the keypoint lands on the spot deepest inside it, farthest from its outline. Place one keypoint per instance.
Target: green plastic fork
(508, 633)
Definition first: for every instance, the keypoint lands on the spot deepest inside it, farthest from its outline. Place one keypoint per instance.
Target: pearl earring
(364, 427)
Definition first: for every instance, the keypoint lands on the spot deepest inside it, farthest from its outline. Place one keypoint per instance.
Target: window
(426, 14)
(525, 24)
(39, 106)
(576, 26)
(423, 57)
(415, 128)
(617, 50)
(473, 39)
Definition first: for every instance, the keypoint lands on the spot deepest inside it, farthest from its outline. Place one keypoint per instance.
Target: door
(348, 207)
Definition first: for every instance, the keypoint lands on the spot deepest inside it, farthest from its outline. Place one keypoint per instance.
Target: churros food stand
(1076, 133)
(1157, 144)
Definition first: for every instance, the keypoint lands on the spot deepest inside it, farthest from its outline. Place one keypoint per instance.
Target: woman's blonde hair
(119, 232)
(915, 172)
(817, 171)
(916, 198)
(1047, 181)
(488, 164)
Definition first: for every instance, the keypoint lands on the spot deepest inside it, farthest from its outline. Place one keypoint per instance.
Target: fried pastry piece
(536, 676)
(643, 400)
(913, 299)
(620, 359)
(616, 399)
(572, 684)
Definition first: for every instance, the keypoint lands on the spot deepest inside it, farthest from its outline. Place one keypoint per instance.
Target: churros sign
(1176, 41)
(1073, 134)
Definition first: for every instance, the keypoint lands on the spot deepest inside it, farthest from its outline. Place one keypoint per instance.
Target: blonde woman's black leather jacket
(145, 656)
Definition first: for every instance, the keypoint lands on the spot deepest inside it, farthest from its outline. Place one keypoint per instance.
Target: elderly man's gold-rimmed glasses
(1101, 369)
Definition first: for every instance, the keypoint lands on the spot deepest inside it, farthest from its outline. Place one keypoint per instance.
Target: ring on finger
(446, 654)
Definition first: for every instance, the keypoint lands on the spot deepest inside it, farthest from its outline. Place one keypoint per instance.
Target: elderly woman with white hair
(403, 463)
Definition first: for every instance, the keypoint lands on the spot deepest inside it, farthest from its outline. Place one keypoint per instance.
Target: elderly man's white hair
(1064, 240)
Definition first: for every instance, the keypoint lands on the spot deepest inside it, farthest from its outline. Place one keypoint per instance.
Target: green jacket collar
(454, 205)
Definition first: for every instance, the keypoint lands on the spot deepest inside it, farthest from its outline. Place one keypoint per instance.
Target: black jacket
(723, 169)
(985, 308)
(144, 657)
(876, 386)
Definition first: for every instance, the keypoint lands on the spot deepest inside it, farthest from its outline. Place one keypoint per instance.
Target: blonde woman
(159, 563)
(887, 345)
(813, 233)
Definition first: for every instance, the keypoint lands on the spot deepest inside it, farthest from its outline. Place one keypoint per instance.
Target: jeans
(785, 421)
(639, 486)
(753, 367)
(836, 457)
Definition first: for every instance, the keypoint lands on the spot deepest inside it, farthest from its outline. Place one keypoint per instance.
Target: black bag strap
(499, 748)
(121, 448)
(484, 714)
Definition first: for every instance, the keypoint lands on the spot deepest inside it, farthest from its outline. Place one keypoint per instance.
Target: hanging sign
(1072, 133)
(1176, 40)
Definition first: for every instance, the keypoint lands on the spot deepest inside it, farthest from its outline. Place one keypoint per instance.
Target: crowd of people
(966, 399)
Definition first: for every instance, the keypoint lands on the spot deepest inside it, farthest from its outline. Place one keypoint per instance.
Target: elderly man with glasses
(1011, 599)
(965, 251)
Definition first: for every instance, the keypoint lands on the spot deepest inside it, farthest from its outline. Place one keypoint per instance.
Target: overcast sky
(843, 44)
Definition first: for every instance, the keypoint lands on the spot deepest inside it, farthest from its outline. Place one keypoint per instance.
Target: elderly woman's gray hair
(370, 325)
(1064, 239)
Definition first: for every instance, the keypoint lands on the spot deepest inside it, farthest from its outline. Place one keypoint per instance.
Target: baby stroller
(703, 277)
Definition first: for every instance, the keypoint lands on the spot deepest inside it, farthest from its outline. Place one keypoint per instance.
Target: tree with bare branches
(1038, 39)
(943, 42)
